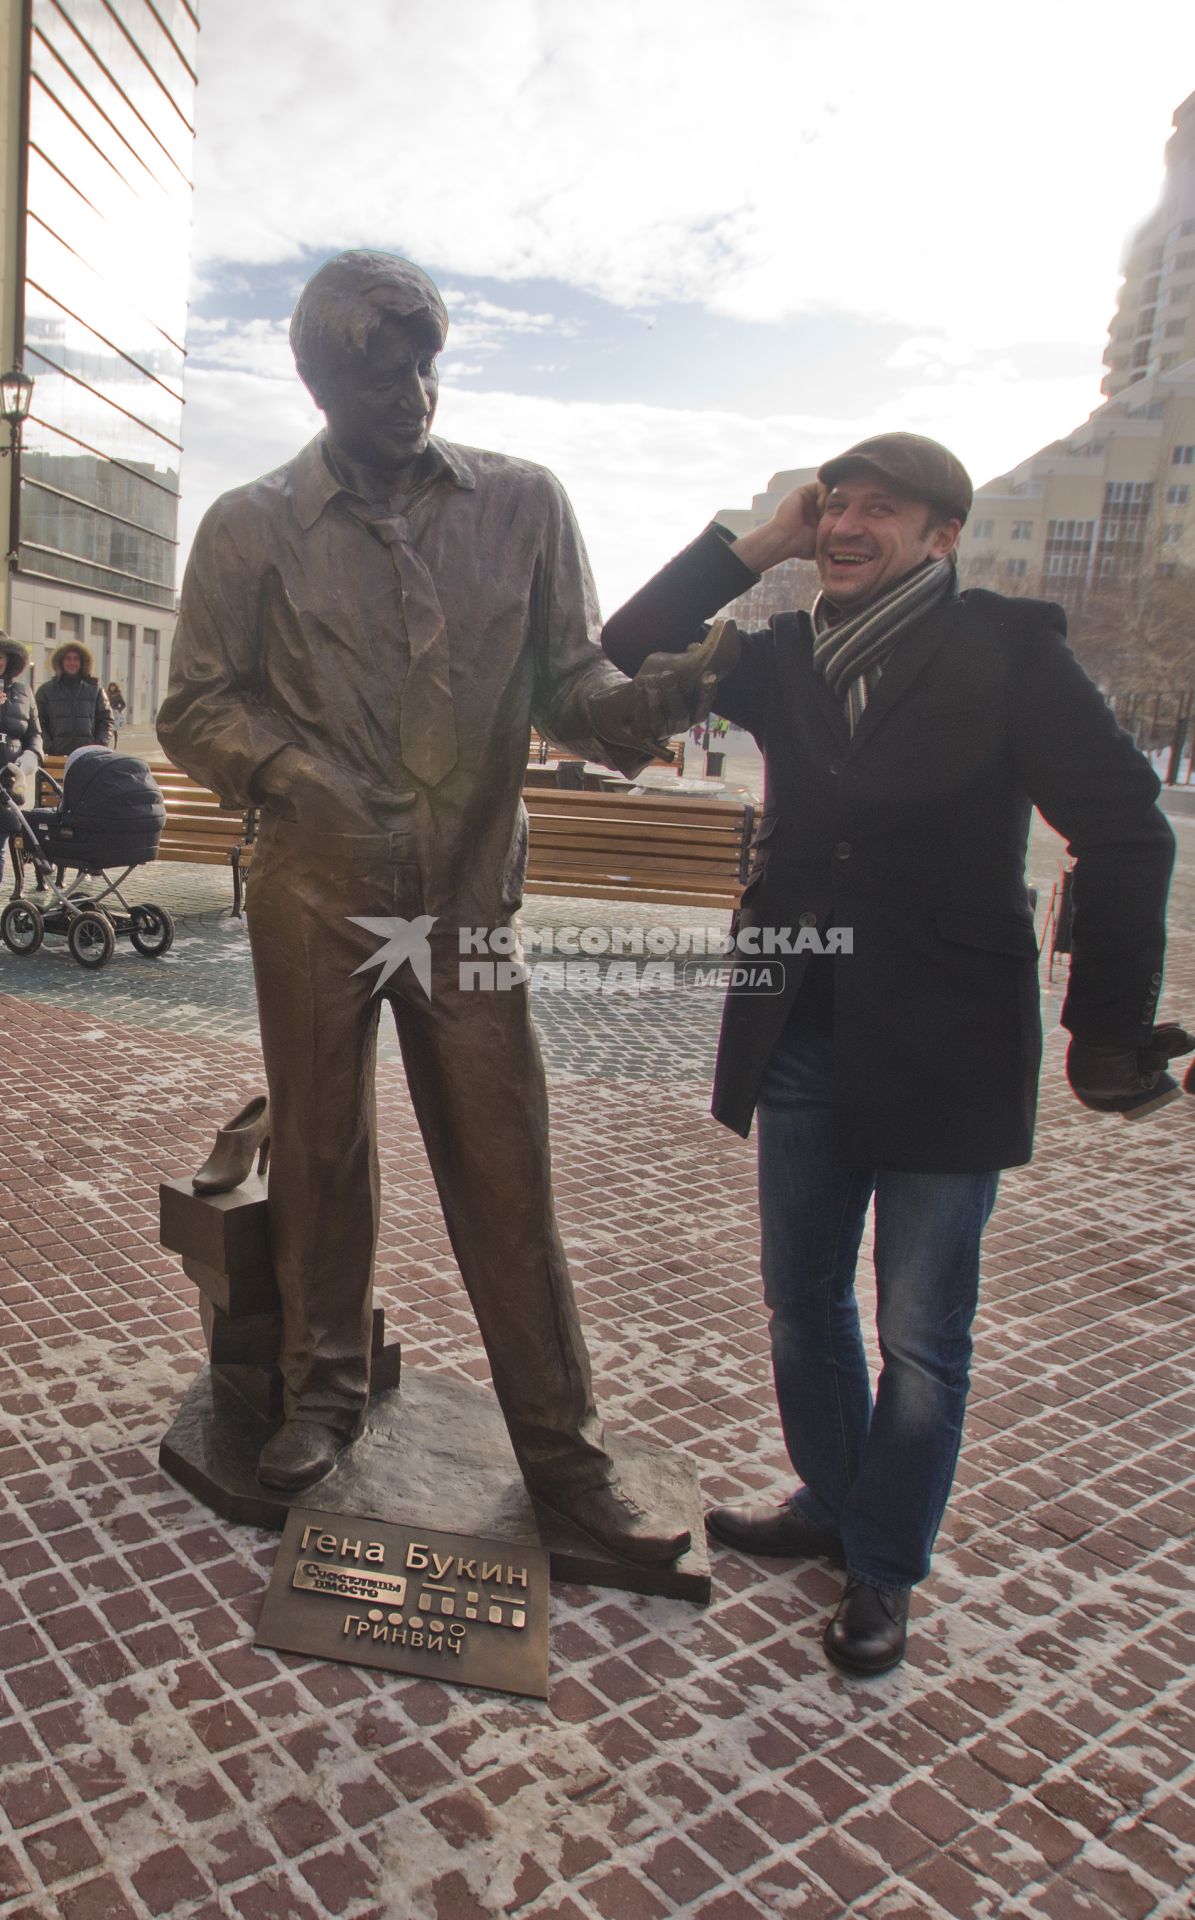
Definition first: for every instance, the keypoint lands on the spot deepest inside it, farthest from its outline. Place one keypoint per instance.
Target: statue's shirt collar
(313, 483)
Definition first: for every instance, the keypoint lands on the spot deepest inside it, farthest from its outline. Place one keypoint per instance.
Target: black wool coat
(912, 834)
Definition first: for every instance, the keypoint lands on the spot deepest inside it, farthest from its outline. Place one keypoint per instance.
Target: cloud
(643, 479)
(765, 162)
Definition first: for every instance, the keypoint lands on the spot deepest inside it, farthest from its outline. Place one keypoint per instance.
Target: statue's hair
(345, 302)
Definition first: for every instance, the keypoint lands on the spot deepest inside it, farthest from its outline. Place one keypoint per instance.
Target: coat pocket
(993, 932)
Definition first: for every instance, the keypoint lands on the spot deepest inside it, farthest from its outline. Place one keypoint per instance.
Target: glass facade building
(106, 237)
(107, 227)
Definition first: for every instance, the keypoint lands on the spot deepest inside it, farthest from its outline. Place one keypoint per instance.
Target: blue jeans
(876, 1474)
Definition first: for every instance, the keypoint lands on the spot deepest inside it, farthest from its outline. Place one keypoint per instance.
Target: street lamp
(16, 393)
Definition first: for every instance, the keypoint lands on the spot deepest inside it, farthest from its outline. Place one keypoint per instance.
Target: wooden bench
(656, 848)
(663, 849)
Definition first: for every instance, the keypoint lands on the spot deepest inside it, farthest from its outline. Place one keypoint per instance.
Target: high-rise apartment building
(1153, 329)
(1114, 500)
(101, 95)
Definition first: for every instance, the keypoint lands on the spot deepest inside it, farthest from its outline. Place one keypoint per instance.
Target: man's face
(380, 406)
(72, 662)
(870, 535)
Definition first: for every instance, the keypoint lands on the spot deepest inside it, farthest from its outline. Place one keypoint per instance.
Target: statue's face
(380, 407)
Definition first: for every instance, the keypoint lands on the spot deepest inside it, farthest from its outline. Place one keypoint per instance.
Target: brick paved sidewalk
(1031, 1758)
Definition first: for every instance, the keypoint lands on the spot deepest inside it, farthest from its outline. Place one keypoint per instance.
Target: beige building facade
(1114, 498)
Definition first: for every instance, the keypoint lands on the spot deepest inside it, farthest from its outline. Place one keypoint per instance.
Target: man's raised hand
(790, 534)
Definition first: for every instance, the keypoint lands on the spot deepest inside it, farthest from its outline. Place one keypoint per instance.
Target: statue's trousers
(477, 1086)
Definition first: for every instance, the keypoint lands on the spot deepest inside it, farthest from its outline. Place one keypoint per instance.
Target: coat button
(843, 850)
(807, 920)
(836, 766)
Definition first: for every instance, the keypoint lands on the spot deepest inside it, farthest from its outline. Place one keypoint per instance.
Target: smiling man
(365, 638)
(907, 731)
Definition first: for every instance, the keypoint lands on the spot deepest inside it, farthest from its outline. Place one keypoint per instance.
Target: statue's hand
(669, 694)
(312, 793)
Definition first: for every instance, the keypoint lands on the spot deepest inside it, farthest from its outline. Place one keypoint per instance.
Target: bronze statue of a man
(365, 638)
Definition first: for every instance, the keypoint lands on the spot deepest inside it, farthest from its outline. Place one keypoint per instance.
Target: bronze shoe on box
(230, 1161)
(781, 1533)
(302, 1452)
(612, 1517)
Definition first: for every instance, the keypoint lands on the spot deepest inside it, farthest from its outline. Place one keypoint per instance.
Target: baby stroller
(109, 813)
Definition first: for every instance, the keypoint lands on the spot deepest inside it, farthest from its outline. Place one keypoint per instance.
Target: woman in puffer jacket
(73, 706)
(20, 730)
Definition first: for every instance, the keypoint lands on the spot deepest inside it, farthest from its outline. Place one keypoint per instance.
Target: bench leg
(238, 885)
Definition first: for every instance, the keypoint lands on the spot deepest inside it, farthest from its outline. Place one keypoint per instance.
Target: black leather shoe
(612, 1517)
(300, 1453)
(781, 1533)
(867, 1633)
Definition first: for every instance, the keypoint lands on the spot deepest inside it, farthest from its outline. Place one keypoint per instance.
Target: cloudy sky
(683, 244)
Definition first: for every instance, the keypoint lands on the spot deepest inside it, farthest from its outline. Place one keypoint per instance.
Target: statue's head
(345, 303)
(365, 335)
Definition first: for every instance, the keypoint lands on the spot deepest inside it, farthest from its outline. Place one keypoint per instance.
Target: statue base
(436, 1453)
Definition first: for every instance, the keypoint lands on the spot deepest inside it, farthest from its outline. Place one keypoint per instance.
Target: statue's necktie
(427, 721)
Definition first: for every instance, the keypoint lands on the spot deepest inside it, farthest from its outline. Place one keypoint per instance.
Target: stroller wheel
(22, 927)
(91, 939)
(152, 931)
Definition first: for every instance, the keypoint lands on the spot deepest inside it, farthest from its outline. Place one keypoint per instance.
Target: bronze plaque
(445, 1606)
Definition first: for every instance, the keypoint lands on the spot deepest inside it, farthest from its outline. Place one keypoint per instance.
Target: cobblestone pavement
(1033, 1756)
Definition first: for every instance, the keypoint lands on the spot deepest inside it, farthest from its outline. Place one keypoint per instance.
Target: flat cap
(924, 469)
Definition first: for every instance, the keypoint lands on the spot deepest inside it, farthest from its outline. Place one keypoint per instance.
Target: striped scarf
(851, 654)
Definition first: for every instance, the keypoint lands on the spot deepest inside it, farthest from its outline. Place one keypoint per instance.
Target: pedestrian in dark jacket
(119, 706)
(73, 706)
(20, 729)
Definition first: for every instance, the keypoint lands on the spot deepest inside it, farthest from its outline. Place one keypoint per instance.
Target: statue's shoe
(616, 1521)
(302, 1452)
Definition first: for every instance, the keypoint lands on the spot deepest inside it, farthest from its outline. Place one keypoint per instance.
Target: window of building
(1016, 569)
(1127, 493)
(1177, 496)
(1172, 534)
(1174, 328)
(1069, 531)
(1168, 361)
(1184, 261)
(1167, 570)
(1022, 529)
(1183, 457)
(983, 529)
